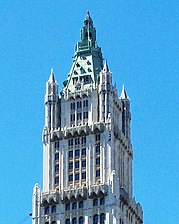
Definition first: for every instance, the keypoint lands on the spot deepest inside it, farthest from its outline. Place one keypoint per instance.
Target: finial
(123, 93)
(87, 15)
(88, 19)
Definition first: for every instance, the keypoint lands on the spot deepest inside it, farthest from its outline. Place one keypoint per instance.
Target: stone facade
(87, 151)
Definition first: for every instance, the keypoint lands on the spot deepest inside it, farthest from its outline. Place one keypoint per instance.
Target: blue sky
(140, 41)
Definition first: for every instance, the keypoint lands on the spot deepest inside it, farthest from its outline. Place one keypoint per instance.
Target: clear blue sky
(140, 41)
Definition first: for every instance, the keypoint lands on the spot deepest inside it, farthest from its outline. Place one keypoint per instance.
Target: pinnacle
(123, 93)
(105, 66)
(51, 78)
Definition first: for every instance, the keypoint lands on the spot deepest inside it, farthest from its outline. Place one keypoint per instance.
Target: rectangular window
(74, 205)
(97, 173)
(77, 176)
(83, 163)
(79, 116)
(84, 176)
(56, 145)
(54, 209)
(83, 152)
(85, 115)
(97, 149)
(77, 153)
(75, 80)
(56, 168)
(70, 154)
(83, 140)
(73, 106)
(85, 103)
(72, 117)
(81, 204)
(56, 156)
(97, 161)
(70, 142)
(78, 104)
(102, 201)
(46, 210)
(70, 166)
(95, 202)
(67, 207)
(70, 178)
(77, 141)
(98, 137)
(77, 165)
(56, 180)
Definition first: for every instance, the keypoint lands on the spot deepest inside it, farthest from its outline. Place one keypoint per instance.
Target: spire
(88, 34)
(123, 93)
(105, 67)
(51, 78)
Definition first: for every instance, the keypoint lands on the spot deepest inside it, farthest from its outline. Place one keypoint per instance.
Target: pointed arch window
(95, 202)
(67, 221)
(88, 63)
(77, 65)
(53, 210)
(81, 220)
(102, 218)
(74, 221)
(102, 201)
(82, 70)
(81, 204)
(46, 210)
(95, 219)
(74, 205)
(67, 207)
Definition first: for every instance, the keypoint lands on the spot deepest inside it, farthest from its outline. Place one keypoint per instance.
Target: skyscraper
(87, 151)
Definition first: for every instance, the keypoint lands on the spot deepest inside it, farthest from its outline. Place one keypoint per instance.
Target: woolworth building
(87, 151)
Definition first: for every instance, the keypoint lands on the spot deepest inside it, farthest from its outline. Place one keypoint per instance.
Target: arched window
(46, 222)
(46, 211)
(95, 202)
(80, 204)
(54, 209)
(74, 221)
(74, 205)
(102, 218)
(95, 219)
(102, 201)
(81, 220)
(53, 222)
(67, 221)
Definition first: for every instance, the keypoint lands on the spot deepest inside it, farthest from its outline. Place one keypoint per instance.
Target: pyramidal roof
(87, 60)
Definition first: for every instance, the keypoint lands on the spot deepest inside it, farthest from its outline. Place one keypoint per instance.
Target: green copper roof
(87, 60)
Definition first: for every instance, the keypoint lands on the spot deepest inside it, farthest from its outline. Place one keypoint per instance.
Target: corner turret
(51, 102)
(105, 87)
